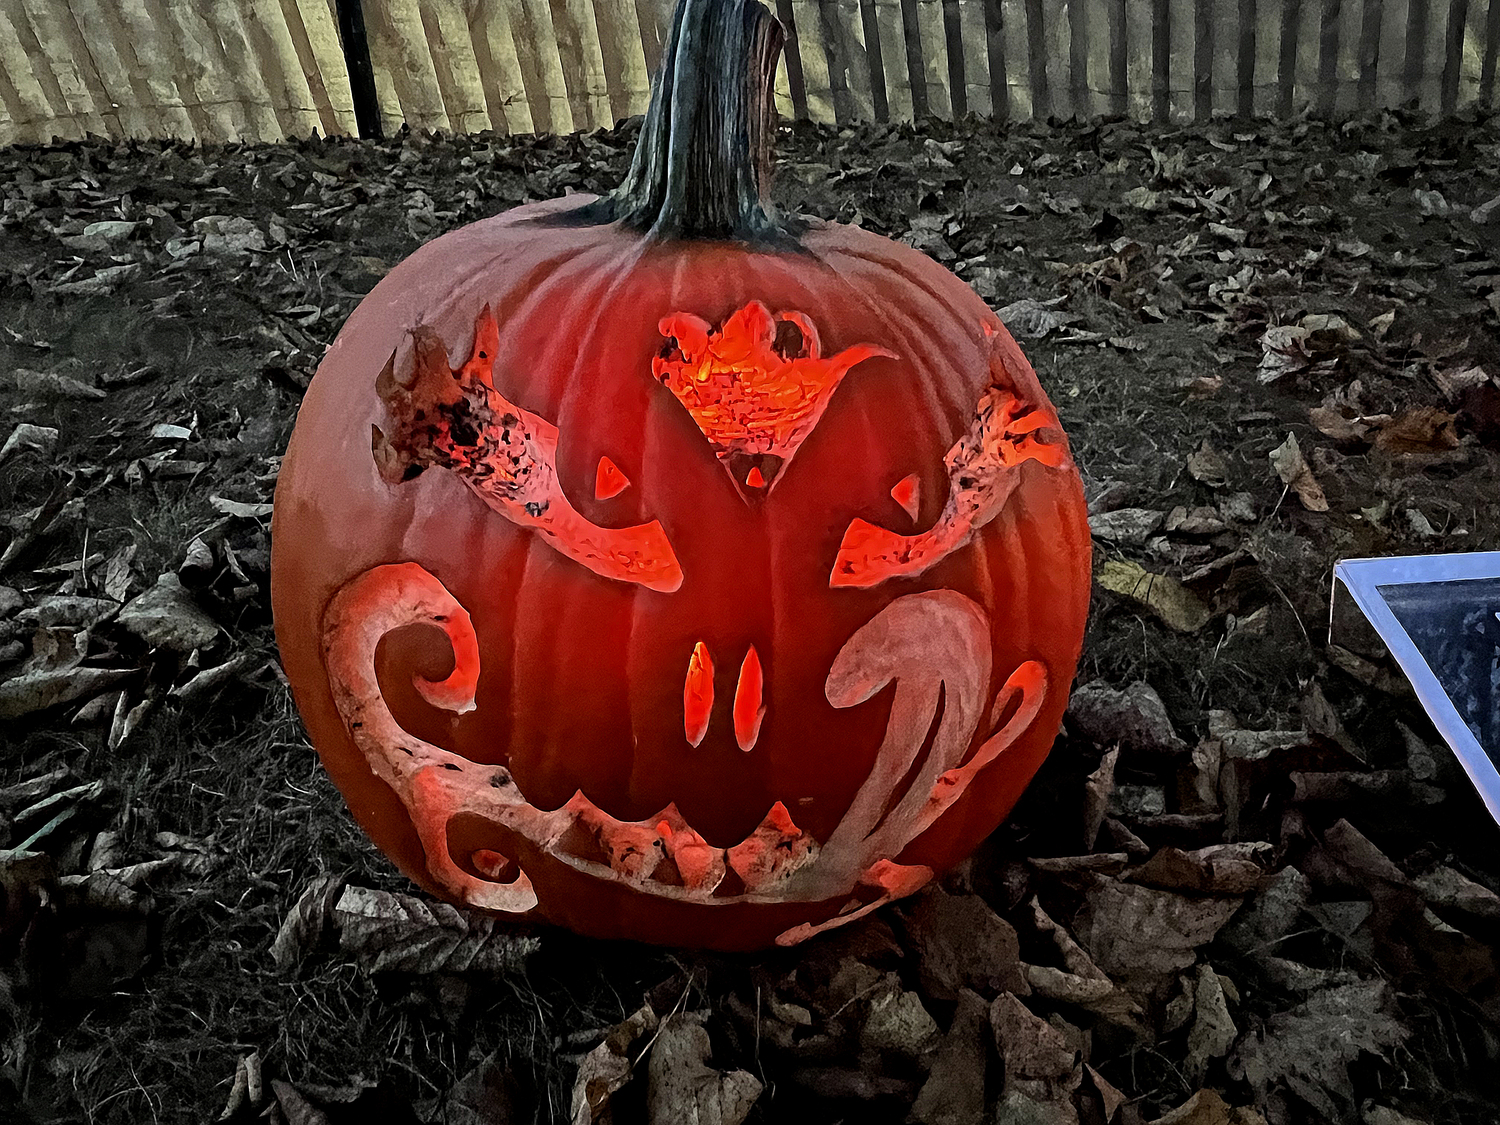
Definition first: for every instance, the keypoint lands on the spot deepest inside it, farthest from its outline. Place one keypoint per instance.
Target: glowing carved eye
(455, 419)
(608, 480)
(1006, 431)
(749, 705)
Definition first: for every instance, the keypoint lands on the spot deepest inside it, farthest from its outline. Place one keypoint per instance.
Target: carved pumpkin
(667, 568)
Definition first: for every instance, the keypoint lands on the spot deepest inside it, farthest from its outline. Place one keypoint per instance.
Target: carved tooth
(773, 852)
(633, 850)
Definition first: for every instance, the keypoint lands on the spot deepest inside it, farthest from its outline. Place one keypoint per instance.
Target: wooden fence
(261, 70)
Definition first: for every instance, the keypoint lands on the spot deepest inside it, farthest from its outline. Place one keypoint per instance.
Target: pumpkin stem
(702, 166)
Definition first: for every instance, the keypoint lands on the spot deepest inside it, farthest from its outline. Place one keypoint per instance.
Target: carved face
(747, 650)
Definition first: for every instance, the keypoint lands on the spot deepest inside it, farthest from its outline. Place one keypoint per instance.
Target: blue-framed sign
(1440, 617)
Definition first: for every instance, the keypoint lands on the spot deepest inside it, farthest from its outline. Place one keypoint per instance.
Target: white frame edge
(1361, 577)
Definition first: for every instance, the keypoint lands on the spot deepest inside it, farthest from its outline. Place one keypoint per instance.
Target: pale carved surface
(1009, 429)
(455, 419)
(933, 644)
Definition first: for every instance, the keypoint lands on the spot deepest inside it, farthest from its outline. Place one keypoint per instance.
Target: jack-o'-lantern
(668, 568)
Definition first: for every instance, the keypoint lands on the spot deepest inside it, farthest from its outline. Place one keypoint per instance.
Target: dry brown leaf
(1134, 718)
(963, 944)
(50, 687)
(1206, 1107)
(1213, 1031)
(954, 1091)
(1110, 1098)
(1290, 466)
(1129, 527)
(309, 923)
(29, 438)
(166, 616)
(1453, 381)
(897, 1023)
(1138, 934)
(682, 1089)
(1310, 1048)
(400, 933)
(1169, 599)
(1097, 791)
(1029, 1046)
(1207, 466)
(1221, 869)
(1422, 429)
(294, 1107)
(607, 1068)
(1338, 426)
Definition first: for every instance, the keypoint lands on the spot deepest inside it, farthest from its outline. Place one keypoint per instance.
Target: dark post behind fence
(361, 74)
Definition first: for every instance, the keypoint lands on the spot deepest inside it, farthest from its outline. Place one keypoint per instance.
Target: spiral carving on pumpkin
(934, 645)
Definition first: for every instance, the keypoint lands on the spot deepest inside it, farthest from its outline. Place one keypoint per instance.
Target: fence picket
(262, 70)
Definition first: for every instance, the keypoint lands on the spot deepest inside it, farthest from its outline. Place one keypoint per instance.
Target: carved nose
(698, 697)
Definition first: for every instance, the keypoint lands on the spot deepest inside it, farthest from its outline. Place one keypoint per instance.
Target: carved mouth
(934, 645)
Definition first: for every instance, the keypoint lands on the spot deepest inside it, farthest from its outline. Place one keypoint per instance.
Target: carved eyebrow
(455, 419)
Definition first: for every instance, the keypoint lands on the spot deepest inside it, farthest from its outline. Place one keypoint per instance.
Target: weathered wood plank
(457, 69)
(315, 38)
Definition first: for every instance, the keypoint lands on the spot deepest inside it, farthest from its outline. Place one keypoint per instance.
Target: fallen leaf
(1133, 717)
(238, 509)
(1169, 599)
(399, 933)
(1208, 466)
(1213, 1031)
(954, 1091)
(1139, 934)
(1311, 1047)
(1110, 1098)
(1422, 429)
(682, 1089)
(1029, 1046)
(1454, 381)
(1206, 1107)
(36, 691)
(294, 1107)
(309, 924)
(606, 1069)
(166, 616)
(1030, 319)
(28, 438)
(962, 944)
(50, 384)
(1097, 791)
(1129, 527)
(1290, 466)
(897, 1023)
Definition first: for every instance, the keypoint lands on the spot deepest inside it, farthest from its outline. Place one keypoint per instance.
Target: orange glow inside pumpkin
(749, 705)
(907, 494)
(757, 384)
(698, 694)
(609, 482)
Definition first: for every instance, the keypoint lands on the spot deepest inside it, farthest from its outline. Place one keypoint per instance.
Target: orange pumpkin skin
(581, 673)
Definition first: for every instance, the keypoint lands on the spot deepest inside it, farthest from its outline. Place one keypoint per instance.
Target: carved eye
(455, 419)
(609, 482)
(1005, 433)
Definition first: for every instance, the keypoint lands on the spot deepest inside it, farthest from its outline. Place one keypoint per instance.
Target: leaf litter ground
(1250, 885)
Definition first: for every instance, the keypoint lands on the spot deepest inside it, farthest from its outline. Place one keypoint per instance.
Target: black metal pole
(357, 61)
